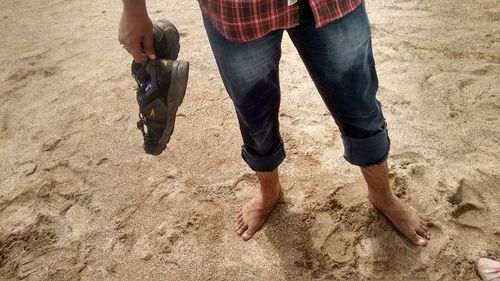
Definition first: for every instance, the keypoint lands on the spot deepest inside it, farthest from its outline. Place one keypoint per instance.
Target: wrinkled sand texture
(80, 200)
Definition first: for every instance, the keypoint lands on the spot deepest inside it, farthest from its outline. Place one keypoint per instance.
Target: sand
(79, 199)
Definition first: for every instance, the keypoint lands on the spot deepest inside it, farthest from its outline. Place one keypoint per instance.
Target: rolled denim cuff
(367, 151)
(264, 163)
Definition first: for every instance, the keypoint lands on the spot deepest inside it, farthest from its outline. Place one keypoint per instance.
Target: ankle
(384, 202)
(269, 181)
(270, 191)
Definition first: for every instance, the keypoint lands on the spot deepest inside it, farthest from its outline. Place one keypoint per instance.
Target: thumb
(148, 46)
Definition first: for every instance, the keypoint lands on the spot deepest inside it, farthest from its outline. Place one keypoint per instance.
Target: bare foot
(254, 213)
(406, 219)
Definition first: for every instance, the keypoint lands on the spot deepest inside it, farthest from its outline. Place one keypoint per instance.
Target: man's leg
(340, 61)
(255, 211)
(250, 74)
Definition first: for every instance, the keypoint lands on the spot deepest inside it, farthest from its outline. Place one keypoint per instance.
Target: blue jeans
(339, 60)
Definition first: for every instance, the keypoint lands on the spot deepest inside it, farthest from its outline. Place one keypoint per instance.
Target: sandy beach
(80, 200)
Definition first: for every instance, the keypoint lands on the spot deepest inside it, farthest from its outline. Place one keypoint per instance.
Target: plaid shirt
(244, 20)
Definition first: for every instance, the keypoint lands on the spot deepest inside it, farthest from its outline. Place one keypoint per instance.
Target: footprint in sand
(166, 236)
(465, 82)
(239, 187)
(340, 245)
(483, 70)
(475, 203)
(321, 229)
(439, 240)
(27, 168)
(408, 167)
(30, 241)
(399, 185)
(51, 144)
(22, 73)
(4, 126)
(71, 183)
(332, 239)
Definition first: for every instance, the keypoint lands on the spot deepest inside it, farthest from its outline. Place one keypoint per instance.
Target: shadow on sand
(289, 233)
(385, 255)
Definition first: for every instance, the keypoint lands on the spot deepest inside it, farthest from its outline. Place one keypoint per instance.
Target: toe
(247, 235)
(418, 240)
(242, 229)
(423, 217)
(424, 225)
(240, 224)
(427, 234)
(422, 232)
(425, 228)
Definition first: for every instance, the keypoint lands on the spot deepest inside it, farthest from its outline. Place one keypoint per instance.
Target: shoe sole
(176, 93)
(163, 29)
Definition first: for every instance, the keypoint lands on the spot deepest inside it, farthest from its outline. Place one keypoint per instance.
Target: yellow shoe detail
(152, 113)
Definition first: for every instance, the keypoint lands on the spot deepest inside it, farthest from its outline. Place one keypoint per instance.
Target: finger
(148, 46)
(136, 52)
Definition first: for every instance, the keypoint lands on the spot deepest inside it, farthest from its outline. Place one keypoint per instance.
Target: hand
(136, 34)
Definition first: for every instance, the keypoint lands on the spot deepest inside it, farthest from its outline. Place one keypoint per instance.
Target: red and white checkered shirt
(244, 20)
